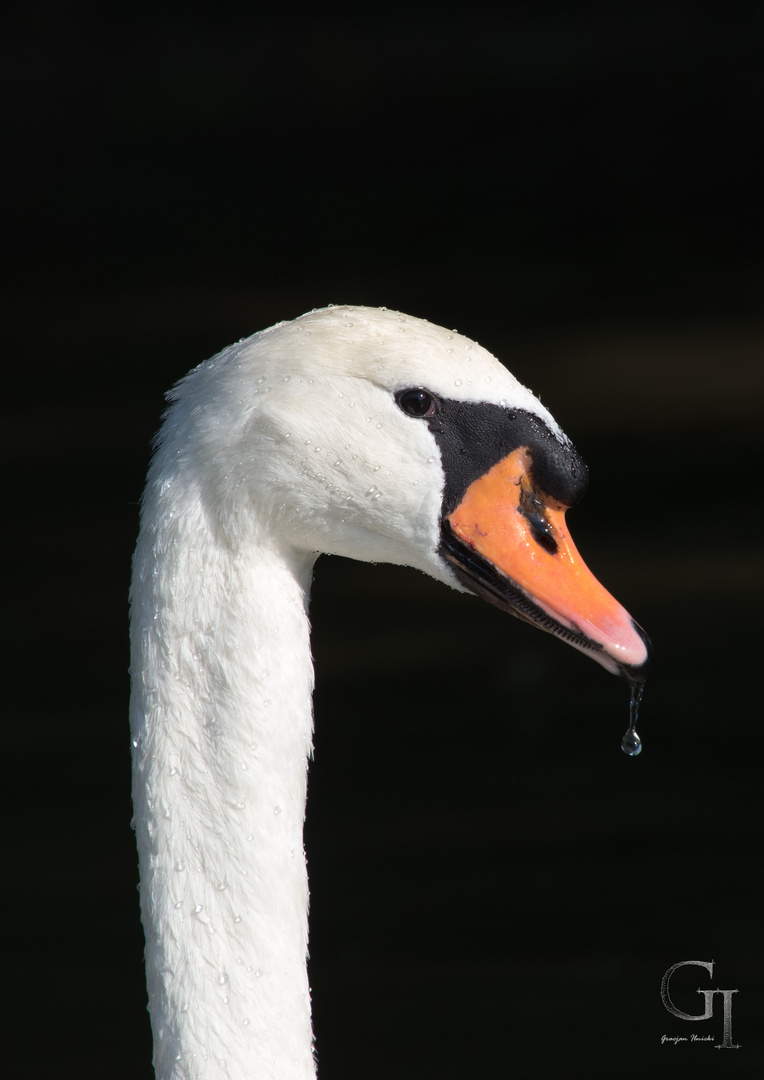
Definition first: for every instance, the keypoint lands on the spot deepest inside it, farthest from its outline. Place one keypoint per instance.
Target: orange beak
(507, 541)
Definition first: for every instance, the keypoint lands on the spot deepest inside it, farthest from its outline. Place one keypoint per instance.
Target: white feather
(282, 446)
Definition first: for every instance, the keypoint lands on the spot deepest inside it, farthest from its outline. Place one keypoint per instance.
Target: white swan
(358, 432)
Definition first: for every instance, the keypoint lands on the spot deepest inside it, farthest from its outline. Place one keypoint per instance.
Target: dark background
(496, 888)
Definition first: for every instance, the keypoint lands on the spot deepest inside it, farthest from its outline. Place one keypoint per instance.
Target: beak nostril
(543, 535)
(532, 508)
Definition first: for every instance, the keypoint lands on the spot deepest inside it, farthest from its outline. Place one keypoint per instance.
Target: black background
(496, 888)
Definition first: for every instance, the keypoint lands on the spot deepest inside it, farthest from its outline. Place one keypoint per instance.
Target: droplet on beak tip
(631, 743)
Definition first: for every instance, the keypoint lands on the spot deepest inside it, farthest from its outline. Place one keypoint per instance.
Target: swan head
(371, 434)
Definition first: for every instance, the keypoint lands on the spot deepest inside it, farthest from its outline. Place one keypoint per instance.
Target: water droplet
(631, 743)
(458, 382)
(245, 1023)
(277, 810)
(173, 771)
(258, 973)
(237, 918)
(222, 886)
(198, 909)
(178, 904)
(180, 865)
(222, 978)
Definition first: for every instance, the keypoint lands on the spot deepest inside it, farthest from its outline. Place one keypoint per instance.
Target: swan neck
(221, 728)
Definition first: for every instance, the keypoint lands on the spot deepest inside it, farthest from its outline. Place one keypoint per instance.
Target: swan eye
(417, 402)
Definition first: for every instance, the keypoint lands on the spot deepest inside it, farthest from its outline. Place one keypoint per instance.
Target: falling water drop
(631, 743)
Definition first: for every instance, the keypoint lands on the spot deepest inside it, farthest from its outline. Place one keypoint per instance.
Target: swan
(353, 431)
